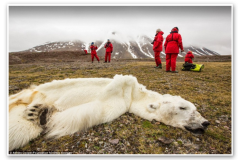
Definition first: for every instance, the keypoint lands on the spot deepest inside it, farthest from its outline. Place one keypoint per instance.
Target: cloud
(208, 26)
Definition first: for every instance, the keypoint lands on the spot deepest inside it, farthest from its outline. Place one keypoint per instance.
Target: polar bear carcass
(63, 107)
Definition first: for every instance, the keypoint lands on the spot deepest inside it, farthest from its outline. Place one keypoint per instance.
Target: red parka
(85, 51)
(93, 49)
(189, 56)
(109, 47)
(173, 42)
(158, 41)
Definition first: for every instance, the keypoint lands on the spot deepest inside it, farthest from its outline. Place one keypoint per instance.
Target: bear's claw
(37, 114)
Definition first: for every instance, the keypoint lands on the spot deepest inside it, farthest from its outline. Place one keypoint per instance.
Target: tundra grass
(210, 91)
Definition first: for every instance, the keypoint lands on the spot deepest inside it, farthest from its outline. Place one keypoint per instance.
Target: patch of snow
(179, 55)
(147, 54)
(86, 46)
(102, 45)
(129, 50)
(194, 52)
(192, 47)
(199, 52)
(205, 51)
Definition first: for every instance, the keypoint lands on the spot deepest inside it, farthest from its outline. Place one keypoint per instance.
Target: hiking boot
(174, 71)
(105, 62)
(168, 71)
(160, 65)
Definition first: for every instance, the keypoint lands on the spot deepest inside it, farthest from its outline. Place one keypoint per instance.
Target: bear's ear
(152, 107)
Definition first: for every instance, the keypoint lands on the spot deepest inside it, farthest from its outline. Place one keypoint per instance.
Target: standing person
(157, 47)
(109, 49)
(189, 56)
(93, 51)
(172, 44)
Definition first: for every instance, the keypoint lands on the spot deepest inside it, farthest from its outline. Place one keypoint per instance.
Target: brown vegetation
(210, 90)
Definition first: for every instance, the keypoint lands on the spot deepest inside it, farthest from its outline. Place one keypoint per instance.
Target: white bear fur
(78, 104)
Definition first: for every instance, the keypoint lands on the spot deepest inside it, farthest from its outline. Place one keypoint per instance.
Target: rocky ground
(210, 90)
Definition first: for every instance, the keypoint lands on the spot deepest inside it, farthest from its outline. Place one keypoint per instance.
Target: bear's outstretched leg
(26, 123)
(21, 130)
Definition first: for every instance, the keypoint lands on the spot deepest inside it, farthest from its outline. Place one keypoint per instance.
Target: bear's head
(177, 112)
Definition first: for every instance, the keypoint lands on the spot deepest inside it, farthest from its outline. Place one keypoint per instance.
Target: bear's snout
(205, 124)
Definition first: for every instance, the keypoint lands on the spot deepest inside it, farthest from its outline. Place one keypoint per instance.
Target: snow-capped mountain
(123, 47)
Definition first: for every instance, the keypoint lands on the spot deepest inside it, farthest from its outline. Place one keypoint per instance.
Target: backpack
(192, 67)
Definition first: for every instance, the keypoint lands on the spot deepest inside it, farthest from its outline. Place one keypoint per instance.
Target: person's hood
(189, 52)
(161, 32)
(174, 30)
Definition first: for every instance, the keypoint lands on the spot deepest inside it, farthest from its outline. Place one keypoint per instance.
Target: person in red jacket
(109, 49)
(172, 44)
(189, 56)
(93, 52)
(157, 47)
(85, 51)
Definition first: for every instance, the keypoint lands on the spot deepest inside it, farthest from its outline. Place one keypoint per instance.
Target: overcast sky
(201, 26)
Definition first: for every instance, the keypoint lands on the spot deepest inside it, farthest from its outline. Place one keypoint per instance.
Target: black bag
(188, 66)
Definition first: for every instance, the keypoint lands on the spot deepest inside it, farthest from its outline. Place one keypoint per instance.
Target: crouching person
(189, 56)
(189, 66)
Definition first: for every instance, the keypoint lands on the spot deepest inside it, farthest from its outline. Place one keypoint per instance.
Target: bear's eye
(182, 108)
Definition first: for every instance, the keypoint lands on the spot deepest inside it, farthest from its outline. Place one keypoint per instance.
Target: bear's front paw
(36, 114)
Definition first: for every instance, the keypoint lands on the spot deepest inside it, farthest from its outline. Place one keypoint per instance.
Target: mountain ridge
(138, 47)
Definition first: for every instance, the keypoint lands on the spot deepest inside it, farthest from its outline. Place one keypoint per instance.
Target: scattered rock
(226, 127)
(212, 148)
(114, 141)
(165, 140)
(12, 87)
(223, 117)
(191, 146)
(187, 145)
(101, 151)
(196, 147)
(217, 121)
(175, 144)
